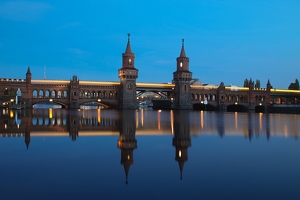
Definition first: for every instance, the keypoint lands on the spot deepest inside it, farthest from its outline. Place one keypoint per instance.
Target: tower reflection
(181, 139)
(127, 142)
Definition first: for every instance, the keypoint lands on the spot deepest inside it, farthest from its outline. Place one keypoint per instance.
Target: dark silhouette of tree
(257, 83)
(294, 86)
(246, 83)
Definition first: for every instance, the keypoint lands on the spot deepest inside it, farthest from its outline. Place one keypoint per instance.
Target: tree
(294, 86)
(246, 83)
(257, 83)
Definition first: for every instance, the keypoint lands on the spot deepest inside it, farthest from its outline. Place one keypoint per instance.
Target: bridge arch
(52, 102)
(95, 103)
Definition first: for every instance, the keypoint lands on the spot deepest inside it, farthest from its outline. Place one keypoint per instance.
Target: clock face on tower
(129, 87)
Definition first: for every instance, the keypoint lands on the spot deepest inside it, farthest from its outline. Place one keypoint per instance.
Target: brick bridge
(183, 93)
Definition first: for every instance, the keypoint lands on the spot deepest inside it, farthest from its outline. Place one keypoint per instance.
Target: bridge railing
(12, 80)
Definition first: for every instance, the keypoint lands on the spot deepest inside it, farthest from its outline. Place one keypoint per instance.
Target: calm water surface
(146, 154)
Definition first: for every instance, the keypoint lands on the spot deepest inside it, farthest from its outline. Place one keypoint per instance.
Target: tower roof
(128, 47)
(182, 53)
(28, 70)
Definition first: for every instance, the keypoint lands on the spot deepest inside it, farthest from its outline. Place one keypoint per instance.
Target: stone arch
(6, 92)
(47, 93)
(41, 93)
(193, 96)
(53, 94)
(65, 94)
(110, 94)
(34, 93)
(34, 121)
(88, 94)
(213, 97)
(19, 92)
(93, 94)
(99, 94)
(81, 94)
(59, 94)
(104, 94)
(13, 92)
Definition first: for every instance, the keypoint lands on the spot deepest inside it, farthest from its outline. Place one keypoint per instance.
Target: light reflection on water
(146, 154)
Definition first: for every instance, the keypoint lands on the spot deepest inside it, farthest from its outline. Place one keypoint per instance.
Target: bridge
(182, 93)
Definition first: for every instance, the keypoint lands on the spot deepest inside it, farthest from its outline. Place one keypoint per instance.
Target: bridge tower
(128, 75)
(27, 95)
(268, 95)
(182, 77)
(74, 92)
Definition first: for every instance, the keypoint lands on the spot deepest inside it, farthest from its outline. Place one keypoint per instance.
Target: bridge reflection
(181, 125)
(98, 122)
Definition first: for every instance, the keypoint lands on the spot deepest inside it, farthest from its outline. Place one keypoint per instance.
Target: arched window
(53, 94)
(47, 94)
(6, 91)
(12, 92)
(81, 95)
(19, 92)
(41, 94)
(34, 94)
(59, 94)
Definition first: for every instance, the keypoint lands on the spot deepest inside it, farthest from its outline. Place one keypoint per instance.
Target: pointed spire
(182, 53)
(269, 82)
(181, 164)
(126, 168)
(28, 70)
(27, 145)
(128, 48)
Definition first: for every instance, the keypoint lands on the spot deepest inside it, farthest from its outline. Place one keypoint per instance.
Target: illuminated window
(180, 64)
(129, 61)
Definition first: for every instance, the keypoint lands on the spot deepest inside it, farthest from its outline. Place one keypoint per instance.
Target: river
(148, 154)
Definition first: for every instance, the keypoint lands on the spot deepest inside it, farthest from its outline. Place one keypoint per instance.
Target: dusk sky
(226, 41)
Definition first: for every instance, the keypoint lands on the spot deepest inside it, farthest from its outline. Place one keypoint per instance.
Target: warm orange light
(50, 113)
(11, 114)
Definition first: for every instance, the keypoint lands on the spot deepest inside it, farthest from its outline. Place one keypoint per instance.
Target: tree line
(293, 86)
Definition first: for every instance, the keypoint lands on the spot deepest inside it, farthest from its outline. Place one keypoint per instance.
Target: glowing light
(128, 157)
(50, 113)
(236, 103)
(158, 119)
(11, 114)
(51, 100)
(260, 121)
(99, 116)
(236, 120)
(179, 153)
(202, 119)
(172, 121)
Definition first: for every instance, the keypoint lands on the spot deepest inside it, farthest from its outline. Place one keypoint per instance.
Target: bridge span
(182, 93)
(106, 94)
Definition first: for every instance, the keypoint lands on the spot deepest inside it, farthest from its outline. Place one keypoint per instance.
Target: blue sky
(226, 41)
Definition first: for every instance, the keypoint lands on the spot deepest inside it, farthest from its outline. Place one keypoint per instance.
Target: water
(146, 154)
